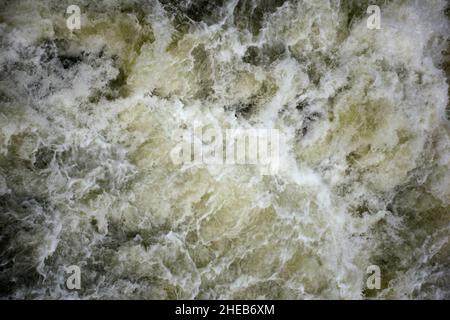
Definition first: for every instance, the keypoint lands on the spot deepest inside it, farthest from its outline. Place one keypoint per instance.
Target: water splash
(87, 121)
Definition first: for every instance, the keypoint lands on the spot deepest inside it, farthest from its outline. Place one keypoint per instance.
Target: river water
(87, 123)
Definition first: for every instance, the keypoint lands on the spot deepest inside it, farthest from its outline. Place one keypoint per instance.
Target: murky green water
(87, 122)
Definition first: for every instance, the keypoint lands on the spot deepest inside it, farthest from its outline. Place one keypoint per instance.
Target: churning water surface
(87, 123)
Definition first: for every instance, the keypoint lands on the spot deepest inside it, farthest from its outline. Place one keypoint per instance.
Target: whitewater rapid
(89, 117)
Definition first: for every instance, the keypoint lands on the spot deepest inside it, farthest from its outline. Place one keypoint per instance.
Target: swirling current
(88, 119)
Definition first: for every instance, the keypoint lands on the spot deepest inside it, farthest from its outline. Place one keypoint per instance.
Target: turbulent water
(88, 119)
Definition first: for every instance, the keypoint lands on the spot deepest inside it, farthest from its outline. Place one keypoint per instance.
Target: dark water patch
(25, 221)
(250, 14)
(43, 157)
(204, 70)
(264, 55)
(207, 11)
(117, 88)
(307, 123)
(422, 222)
